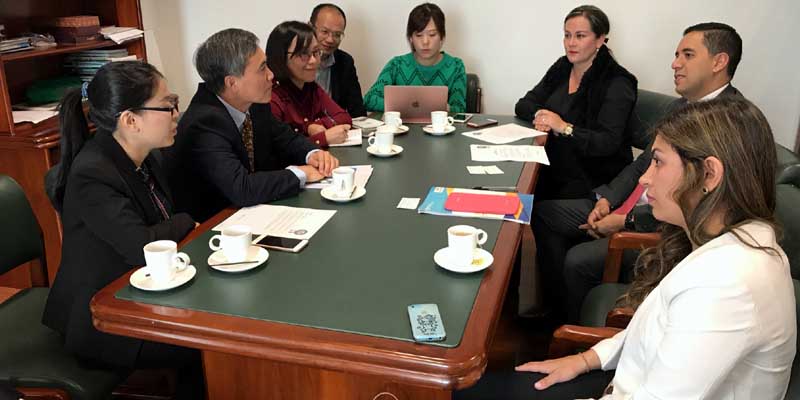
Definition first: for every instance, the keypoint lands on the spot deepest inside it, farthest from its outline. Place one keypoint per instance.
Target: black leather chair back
(473, 94)
(649, 109)
(788, 214)
(787, 211)
(22, 239)
(788, 165)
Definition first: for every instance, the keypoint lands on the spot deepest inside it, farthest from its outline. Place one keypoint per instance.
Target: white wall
(511, 43)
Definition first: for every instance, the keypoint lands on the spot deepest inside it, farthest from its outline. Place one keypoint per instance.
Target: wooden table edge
(404, 362)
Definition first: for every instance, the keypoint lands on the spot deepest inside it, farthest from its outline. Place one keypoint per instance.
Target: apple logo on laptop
(415, 104)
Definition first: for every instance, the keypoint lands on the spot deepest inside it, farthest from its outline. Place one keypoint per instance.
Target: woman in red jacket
(293, 54)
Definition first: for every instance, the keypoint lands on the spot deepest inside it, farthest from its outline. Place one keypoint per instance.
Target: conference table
(331, 321)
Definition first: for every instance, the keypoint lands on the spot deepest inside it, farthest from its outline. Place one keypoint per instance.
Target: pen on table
(514, 188)
(233, 263)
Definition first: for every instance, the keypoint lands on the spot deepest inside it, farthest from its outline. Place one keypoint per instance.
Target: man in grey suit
(705, 62)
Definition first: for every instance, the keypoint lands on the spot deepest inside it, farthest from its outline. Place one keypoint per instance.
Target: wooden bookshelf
(28, 151)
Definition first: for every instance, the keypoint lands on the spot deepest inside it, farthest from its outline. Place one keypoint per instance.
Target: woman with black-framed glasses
(113, 198)
(293, 55)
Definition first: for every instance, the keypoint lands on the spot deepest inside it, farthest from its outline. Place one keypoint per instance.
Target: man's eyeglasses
(305, 56)
(171, 109)
(337, 36)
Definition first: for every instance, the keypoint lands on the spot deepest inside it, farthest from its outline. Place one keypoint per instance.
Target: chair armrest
(619, 318)
(621, 241)
(569, 338)
(43, 393)
(7, 293)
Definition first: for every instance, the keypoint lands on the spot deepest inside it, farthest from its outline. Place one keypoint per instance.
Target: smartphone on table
(281, 243)
(426, 323)
(462, 117)
(481, 122)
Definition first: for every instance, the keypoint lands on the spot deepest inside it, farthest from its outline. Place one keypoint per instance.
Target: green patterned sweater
(404, 70)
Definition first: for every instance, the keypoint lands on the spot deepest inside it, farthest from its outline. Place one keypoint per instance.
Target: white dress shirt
(720, 325)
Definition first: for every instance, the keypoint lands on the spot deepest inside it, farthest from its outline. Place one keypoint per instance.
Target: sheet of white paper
(366, 123)
(363, 173)
(503, 134)
(353, 139)
(121, 34)
(492, 170)
(283, 221)
(32, 116)
(482, 152)
(476, 169)
(408, 203)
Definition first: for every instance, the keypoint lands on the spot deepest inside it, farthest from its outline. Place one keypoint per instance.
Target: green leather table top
(369, 262)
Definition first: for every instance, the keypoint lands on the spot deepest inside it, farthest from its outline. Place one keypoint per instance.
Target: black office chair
(650, 107)
(473, 94)
(788, 165)
(31, 354)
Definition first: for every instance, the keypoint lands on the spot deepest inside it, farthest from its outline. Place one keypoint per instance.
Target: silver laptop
(415, 103)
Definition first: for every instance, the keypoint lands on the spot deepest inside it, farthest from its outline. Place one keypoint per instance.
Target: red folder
(482, 203)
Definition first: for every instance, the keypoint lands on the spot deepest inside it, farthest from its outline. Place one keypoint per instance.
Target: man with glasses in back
(337, 71)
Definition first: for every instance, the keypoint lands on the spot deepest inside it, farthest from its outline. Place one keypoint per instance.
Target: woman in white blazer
(714, 301)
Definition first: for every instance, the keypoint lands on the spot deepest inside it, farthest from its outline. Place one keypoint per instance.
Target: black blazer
(345, 89)
(617, 190)
(108, 217)
(208, 165)
(600, 111)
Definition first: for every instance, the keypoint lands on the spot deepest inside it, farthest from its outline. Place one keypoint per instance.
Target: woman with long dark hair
(715, 309)
(114, 199)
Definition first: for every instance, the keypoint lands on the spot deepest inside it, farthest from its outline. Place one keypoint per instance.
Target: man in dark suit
(230, 150)
(337, 71)
(705, 62)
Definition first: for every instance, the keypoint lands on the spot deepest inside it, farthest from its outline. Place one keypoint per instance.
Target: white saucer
(483, 259)
(255, 253)
(332, 195)
(374, 151)
(401, 130)
(429, 130)
(141, 279)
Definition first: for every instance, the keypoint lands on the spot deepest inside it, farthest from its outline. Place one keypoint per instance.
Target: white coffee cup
(343, 180)
(440, 121)
(163, 260)
(392, 118)
(234, 242)
(462, 240)
(383, 139)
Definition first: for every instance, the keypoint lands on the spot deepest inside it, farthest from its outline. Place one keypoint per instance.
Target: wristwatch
(630, 222)
(567, 130)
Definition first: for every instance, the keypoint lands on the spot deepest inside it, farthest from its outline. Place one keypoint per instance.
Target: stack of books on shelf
(13, 45)
(86, 63)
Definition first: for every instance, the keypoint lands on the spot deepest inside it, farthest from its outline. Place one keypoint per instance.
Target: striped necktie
(247, 138)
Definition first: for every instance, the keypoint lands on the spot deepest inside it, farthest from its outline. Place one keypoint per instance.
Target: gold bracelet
(585, 361)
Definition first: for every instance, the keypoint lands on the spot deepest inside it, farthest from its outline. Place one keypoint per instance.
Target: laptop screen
(415, 103)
